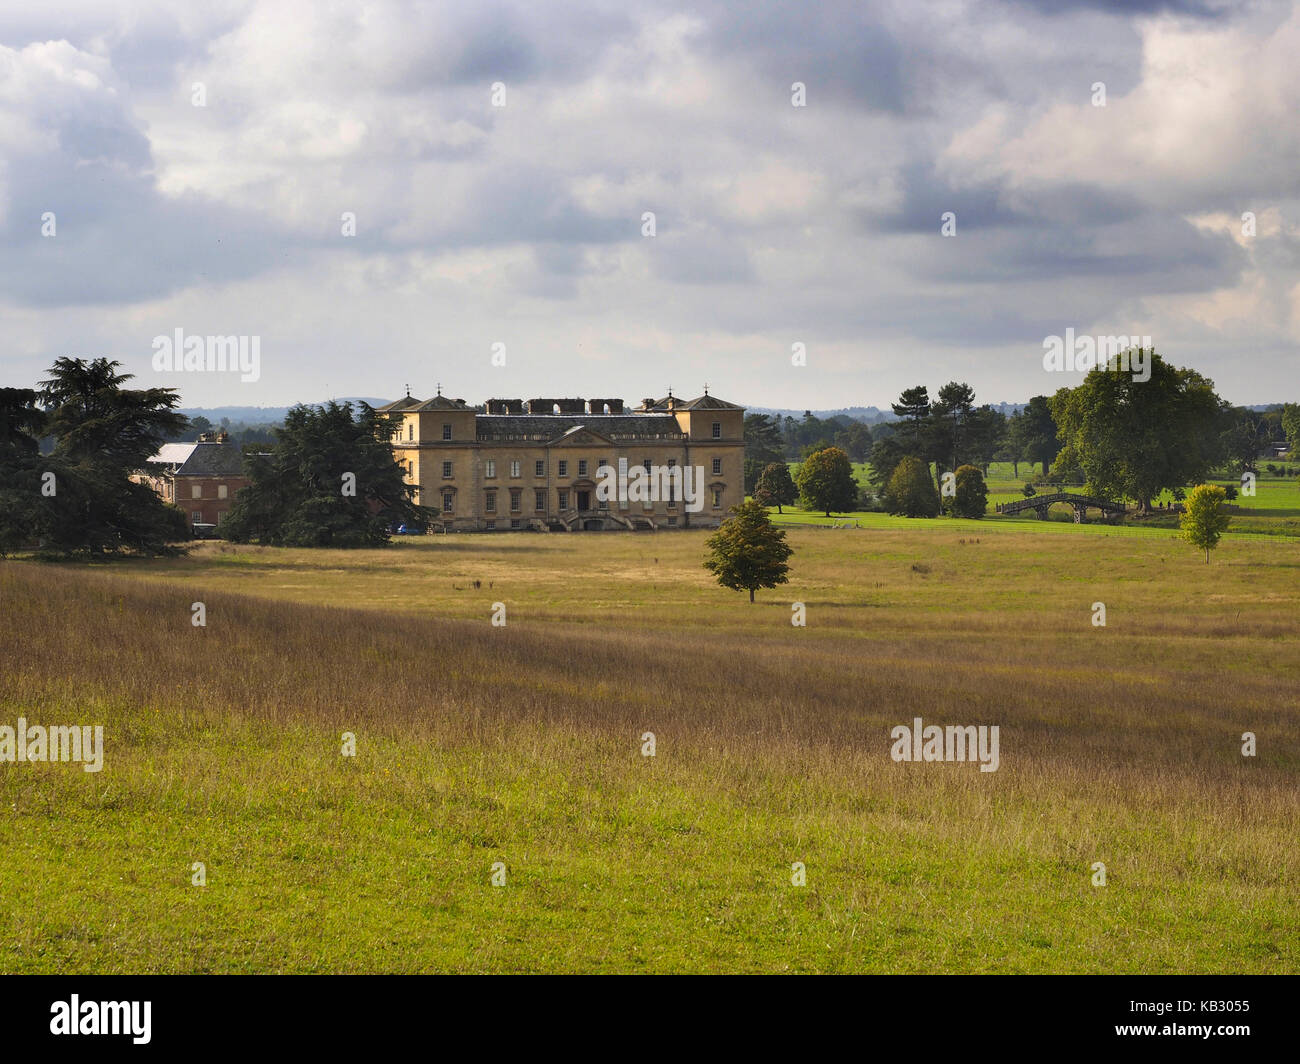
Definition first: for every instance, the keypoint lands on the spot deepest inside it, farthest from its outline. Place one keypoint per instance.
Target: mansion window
(410, 430)
(446, 432)
(196, 516)
(446, 470)
(564, 500)
(516, 500)
(447, 498)
(564, 467)
(539, 468)
(582, 467)
(514, 469)
(539, 497)
(222, 491)
(490, 505)
(196, 491)
(490, 467)
(717, 430)
(717, 466)
(717, 499)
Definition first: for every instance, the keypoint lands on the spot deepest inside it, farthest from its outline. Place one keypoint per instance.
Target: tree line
(79, 498)
(329, 478)
(240, 432)
(1111, 435)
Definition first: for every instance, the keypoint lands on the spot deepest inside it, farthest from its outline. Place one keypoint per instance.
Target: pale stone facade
(536, 464)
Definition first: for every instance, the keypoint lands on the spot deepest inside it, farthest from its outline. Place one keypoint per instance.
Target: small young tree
(826, 481)
(972, 497)
(1203, 521)
(748, 552)
(1028, 491)
(911, 491)
(777, 486)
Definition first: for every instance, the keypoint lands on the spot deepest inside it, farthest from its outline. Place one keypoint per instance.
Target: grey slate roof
(411, 405)
(703, 402)
(655, 423)
(397, 407)
(439, 402)
(213, 460)
(547, 427)
(708, 402)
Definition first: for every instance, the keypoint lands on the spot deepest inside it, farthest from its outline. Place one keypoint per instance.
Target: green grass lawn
(1273, 510)
(521, 745)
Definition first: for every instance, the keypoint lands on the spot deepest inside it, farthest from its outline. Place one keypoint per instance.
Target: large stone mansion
(539, 464)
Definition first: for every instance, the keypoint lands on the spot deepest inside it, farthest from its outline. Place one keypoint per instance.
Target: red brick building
(202, 482)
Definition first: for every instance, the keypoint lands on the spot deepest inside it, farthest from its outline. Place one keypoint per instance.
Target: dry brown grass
(1116, 745)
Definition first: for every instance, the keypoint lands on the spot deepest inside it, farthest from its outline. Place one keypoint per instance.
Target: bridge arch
(1080, 504)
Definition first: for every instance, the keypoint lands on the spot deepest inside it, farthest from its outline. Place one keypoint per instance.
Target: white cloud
(522, 223)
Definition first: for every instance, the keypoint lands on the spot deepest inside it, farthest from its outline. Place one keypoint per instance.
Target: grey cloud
(927, 197)
(699, 257)
(884, 85)
(1127, 8)
(838, 49)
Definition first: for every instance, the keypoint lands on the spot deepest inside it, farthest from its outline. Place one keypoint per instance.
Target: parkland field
(514, 752)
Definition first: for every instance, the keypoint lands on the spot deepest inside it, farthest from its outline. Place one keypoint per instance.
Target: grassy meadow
(522, 745)
(1274, 509)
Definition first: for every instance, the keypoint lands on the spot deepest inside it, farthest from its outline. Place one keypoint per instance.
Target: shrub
(911, 492)
(972, 497)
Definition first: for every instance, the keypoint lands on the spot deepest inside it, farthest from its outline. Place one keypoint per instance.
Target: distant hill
(266, 415)
(869, 414)
(873, 414)
(259, 415)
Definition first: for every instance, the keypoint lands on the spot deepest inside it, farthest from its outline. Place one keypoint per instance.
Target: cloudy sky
(775, 224)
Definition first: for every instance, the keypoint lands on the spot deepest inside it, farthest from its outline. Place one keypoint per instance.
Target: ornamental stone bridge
(1110, 511)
